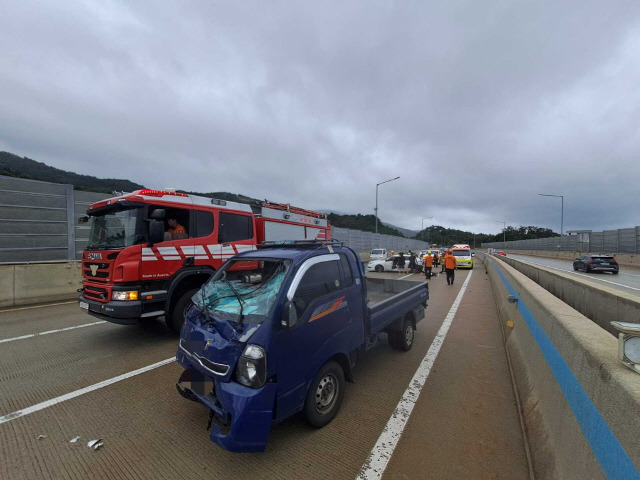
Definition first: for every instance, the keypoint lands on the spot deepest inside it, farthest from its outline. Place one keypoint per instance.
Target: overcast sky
(477, 106)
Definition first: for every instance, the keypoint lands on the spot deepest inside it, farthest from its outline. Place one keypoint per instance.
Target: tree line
(448, 236)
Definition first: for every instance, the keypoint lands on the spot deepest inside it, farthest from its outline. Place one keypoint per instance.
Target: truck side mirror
(83, 219)
(158, 214)
(289, 315)
(156, 231)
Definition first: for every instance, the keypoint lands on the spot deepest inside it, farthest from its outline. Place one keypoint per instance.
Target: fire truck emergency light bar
(161, 193)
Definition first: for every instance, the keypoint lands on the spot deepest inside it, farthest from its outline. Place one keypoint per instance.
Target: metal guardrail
(624, 240)
(39, 223)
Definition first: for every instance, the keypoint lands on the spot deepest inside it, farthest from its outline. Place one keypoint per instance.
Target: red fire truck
(149, 251)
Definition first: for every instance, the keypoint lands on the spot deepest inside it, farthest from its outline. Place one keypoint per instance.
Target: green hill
(366, 223)
(22, 167)
(448, 236)
(15, 166)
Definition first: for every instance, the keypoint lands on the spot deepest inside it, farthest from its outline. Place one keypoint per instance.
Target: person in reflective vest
(428, 265)
(450, 267)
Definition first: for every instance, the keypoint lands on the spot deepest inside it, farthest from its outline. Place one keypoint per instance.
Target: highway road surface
(64, 374)
(627, 280)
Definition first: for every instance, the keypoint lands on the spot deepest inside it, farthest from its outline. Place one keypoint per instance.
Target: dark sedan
(596, 263)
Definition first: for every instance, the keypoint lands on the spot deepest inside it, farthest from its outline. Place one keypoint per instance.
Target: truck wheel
(175, 319)
(403, 340)
(379, 268)
(325, 395)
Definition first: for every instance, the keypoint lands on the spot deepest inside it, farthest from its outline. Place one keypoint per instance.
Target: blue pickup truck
(277, 331)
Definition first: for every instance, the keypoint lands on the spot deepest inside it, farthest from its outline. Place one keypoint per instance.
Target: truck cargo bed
(390, 299)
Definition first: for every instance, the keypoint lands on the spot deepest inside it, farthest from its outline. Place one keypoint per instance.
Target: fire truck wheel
(325, 395)
(175, 319)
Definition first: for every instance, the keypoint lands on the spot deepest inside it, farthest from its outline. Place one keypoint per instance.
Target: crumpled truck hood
(213, 346)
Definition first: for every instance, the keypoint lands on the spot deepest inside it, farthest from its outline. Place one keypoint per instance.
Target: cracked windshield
(230, 295)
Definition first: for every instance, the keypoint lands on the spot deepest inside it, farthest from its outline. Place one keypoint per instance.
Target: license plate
(84, 305)
(604, 264)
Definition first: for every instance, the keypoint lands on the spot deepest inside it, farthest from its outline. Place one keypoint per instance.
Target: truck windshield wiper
(205, 307)
(240, 301)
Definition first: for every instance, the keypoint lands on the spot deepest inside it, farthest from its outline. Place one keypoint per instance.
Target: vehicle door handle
(226, 244)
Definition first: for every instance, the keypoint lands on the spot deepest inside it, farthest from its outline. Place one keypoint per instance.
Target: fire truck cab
(149, 251)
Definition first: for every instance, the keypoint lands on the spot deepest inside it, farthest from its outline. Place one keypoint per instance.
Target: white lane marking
(38, 306)
(22, 337)
(380, 455)
(406, 276)
(82, 391)
(584, 276)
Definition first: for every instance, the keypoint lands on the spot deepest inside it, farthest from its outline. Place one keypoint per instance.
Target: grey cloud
(477, 107)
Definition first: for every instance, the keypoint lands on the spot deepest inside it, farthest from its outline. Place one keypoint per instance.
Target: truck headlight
(125, 295)
(252, 367)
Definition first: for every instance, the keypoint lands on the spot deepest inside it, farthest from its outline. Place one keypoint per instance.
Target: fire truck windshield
(115, 228)
(251, 295)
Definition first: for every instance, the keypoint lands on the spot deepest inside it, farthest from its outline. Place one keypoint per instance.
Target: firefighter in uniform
(175, 230)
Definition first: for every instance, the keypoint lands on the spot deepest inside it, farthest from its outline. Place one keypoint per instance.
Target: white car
(381, 264)
(386, 264)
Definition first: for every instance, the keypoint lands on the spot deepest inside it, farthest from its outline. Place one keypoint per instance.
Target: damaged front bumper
(242, 415)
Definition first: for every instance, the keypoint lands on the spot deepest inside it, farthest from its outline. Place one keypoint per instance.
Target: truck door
(165, 258)
(325, 326)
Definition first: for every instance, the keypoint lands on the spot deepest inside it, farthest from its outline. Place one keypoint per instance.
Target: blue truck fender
(414, 316)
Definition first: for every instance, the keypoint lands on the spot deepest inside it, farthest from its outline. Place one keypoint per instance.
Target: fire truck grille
(97, 275)
(101, 266)
(97, 293)
(96, 270)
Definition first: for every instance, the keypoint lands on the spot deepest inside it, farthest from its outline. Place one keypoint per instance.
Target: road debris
(40, 437)
(95, 444)
(74, 439)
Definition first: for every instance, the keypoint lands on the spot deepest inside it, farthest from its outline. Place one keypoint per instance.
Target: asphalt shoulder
(465, 423)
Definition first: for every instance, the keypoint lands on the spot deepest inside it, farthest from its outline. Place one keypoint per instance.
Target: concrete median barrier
(580, 405)
(32, 283)
(599, 303)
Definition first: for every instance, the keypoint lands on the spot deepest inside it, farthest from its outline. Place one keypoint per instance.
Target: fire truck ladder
(288, 208)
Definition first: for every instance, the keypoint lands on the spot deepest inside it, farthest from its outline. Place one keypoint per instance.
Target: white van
(378, 254)
(464, 259)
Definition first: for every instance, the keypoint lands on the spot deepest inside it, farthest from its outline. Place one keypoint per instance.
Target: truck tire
(403, 340)
(175, 318)
(325, 395)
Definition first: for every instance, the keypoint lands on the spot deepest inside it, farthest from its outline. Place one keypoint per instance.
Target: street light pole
(376, 209)
(422, 230)
(561, 197)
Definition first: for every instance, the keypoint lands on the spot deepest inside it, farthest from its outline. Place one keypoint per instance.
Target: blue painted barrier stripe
(607, 449)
